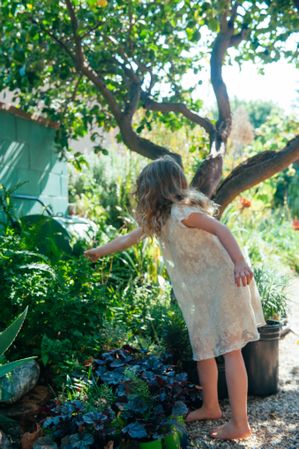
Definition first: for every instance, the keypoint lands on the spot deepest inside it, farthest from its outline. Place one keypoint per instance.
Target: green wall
(28, 154)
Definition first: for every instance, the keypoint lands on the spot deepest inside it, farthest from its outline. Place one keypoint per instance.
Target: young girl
(211, 280)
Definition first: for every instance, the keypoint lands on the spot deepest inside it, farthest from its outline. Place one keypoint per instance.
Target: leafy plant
(174, 334)
(7, 337)
(142, 381)
(126, 392)
(7, 211)
(271, 286)
(83, 428)
(267, 236)
(53, 291)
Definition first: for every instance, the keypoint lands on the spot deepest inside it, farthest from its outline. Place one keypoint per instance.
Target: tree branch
(182, 109)
(90, 30)
(223, 41)
(52, 36)
(237, 38)
(255, 170)
(73, 96)
(143, 146)
(107, 94)
(74, 22)
(120, 51)
(223, 17)
(224, 121)
(134, 97)
(208, 175)
(233, 16)
(130, 137)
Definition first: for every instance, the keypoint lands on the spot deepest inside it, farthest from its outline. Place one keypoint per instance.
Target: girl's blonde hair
(159, 185)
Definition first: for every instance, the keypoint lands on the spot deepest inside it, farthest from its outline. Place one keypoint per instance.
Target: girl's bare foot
(203, 413)
(231, 431)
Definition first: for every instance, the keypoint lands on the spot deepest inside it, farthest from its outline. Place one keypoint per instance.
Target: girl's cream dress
(219, 315)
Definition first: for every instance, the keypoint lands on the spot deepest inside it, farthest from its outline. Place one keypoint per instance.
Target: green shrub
(77, 308)
(67, 303)
(268, 237)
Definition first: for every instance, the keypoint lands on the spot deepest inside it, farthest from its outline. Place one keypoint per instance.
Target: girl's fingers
(237, 280)
(249, 276)
(244, 278)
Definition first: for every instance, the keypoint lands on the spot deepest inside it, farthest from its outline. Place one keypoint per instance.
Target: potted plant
(262, 357)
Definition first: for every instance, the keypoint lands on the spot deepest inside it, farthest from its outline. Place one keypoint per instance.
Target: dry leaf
(109, 445)
(29, 438)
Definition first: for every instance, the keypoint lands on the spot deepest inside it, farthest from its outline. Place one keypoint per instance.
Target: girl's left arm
(242, 270)
(119, 244)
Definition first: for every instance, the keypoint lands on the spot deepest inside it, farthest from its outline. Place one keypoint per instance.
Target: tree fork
(255, 170)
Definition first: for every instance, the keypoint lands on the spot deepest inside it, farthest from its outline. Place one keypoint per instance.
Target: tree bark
(209, 173)
(143, 146)
(255, 170)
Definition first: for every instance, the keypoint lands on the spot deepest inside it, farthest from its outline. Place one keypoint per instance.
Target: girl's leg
(208, 376)
(236, 379)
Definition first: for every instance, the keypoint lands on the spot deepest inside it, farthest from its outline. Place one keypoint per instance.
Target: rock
(4, 441)
(44, 443)
(28, 406)
(19, 382)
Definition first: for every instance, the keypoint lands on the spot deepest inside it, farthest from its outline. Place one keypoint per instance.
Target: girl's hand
(243, 273)
(92, 254)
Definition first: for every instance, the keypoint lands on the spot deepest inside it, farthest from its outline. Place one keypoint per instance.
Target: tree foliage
(92, 64)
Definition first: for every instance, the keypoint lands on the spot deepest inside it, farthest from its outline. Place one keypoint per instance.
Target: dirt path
(274, 420)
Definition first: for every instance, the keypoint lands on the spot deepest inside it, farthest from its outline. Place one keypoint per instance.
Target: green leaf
(8, 335)
(8, 367)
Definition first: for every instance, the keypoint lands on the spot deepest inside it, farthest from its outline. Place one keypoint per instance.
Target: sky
(280, 84)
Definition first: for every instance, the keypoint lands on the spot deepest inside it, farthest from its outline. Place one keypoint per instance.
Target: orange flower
(245, 202)
(296, 224)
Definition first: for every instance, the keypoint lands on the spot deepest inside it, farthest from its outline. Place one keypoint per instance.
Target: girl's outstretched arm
(119, 244)
(203, 221)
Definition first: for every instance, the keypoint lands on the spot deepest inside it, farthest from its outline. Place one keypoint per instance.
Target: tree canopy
(92, 64)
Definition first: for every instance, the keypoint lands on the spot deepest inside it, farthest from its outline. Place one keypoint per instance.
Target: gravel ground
(275, 419)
